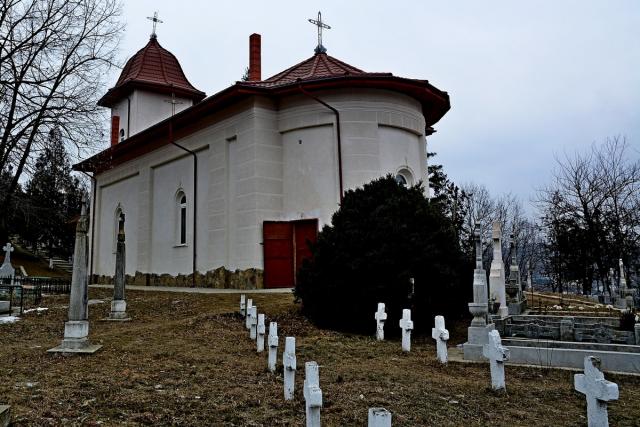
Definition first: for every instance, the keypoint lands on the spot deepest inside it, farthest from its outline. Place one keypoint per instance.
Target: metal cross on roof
(155, 20)
(318, 23)
(173, 101)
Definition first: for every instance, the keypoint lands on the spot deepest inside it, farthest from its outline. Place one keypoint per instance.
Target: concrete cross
(597, 390)
(253, 322)
(273, 346)
(441, 335)
(243, 305)
(7, 253)
(261, 331)
(289, 362)
(379, 417)
(380, 317)
(312, 394)
(497, 355)
(247, 319)
(406, 324)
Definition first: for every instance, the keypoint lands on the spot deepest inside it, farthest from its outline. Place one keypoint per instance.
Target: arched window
(182, 218)
(404, 177)
(121, 135)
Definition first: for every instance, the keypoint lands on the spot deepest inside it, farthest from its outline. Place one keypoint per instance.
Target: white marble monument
(289, 364)
(497, 275)
(273, 346)
(247, 319)
(597, 390)
(7, 270)
(497, 355)
(312, 394)
(380, 317)
(441, 335)
(243, 305)
(260, 332)
(379, 417)
(406, 324)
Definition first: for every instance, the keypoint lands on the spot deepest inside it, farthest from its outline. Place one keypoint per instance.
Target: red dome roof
(155, 69)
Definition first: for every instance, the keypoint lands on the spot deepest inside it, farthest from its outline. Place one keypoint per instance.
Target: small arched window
(404, 177)
(121, 135)
(182, 218)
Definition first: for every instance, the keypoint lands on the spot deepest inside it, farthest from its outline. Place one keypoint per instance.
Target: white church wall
(119, 192)
(401, 150)
(149, 108)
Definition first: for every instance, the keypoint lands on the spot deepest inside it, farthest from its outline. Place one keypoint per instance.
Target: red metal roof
(319, 66)
(153, 68)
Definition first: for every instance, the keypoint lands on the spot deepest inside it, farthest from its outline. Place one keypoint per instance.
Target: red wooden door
(286, 246)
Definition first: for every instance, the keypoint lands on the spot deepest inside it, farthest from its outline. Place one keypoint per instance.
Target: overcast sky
(527, 79)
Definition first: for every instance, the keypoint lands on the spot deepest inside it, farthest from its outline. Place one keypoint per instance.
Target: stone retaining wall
(220, 278)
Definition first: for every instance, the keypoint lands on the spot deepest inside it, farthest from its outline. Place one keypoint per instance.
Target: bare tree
(54, 55)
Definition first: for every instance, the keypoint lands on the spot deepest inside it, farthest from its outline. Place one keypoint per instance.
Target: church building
(226, 190)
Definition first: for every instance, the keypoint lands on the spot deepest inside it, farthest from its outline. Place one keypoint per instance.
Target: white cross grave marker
(253, 322)
(8, 248)
(312, 393)
(441, 335)
(406, 324)
(289, 362)
(260, 332)
(379, 417)
(243, 305)
(497, 355)
(273, 346)
(380, 317)
(247, 320)
(597, 390)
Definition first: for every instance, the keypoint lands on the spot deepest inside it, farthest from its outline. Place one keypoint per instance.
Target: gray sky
(527, 80)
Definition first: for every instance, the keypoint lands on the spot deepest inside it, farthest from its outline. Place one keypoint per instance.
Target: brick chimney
(115, 129)
(255, 68)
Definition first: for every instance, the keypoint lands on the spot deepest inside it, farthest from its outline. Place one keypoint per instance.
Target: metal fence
(27, 291)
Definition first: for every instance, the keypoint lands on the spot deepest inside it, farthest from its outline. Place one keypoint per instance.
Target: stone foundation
(220, 278)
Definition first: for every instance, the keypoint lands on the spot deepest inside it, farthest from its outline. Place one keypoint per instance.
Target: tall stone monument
(624, 298)
(479, 329)
(496, 275)
(516, 302)
(76, 329)
(119, 303)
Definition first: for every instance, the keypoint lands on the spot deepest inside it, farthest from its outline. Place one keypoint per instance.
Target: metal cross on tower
(155, 20)
(318, 23)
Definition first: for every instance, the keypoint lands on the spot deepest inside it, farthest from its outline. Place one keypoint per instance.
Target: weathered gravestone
(5, 416)
(76, 329)
(243, 305)
(497, 355)
(119, 303)
(253, 322)
(7, 270)
(260, 331)
(406, 324)
(597, 390)
(247, 319)
(273, 346)
(312, 394)
(380, 317)
(441, 335)
(379, 417)
(289, 363)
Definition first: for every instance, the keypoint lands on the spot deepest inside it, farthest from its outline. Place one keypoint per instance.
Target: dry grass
(186, 359)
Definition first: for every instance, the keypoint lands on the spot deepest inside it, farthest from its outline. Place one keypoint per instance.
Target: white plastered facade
(257, 161)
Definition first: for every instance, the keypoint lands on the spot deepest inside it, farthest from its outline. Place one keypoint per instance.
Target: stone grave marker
(119, 303)
(260, 331)
(7, 270)
(76, 329)
(289, 363)
(243, 305)
(497, 355)
(5, 416)
(312, 394)
(406, 324)
(380, 317)
(497, 274)
(247, 320)
(273, 346)
(253, 322)
(441, 335)
(379, 417)
(597, 390)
